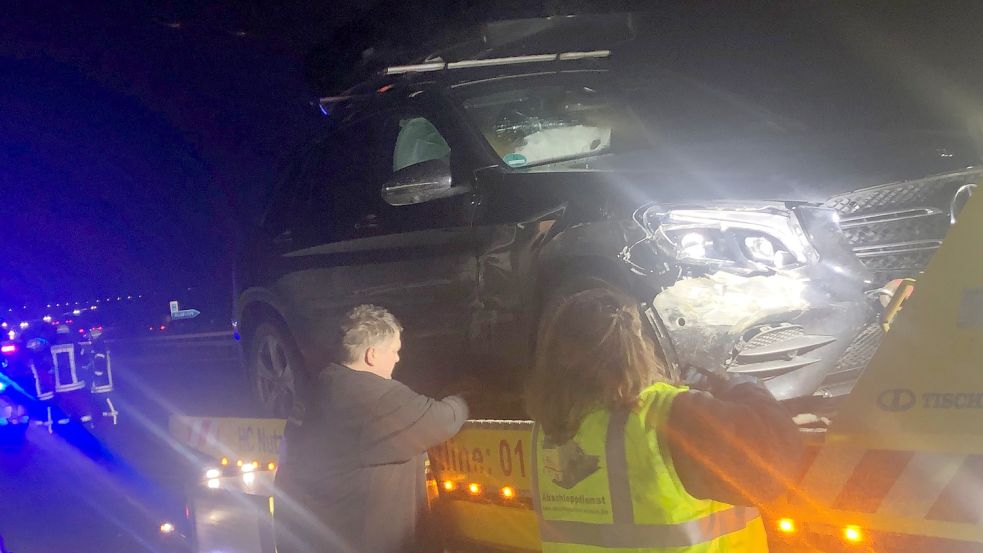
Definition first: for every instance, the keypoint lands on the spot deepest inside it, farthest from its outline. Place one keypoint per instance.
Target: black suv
(469, 198)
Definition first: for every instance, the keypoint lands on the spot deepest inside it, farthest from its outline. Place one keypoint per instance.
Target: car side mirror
(421, 182)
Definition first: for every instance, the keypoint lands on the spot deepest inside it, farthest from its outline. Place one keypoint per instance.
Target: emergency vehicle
(900, 467)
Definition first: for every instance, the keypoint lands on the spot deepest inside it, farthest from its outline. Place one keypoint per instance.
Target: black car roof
(392, 88)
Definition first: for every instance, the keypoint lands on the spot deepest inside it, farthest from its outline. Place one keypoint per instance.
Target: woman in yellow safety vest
(625, 460)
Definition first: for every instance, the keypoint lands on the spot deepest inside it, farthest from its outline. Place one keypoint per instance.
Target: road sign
(185, 314)
(178, 313)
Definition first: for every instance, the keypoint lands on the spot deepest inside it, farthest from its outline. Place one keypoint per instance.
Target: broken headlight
(743, 240)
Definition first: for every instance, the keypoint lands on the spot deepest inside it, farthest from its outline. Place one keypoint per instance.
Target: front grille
(921, 226)
(769, 351)
(773, 336)
(895, 228)
(856, 357)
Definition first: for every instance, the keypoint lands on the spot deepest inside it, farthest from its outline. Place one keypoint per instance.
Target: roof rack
(358, 92)
(441, 65)
(338, 99)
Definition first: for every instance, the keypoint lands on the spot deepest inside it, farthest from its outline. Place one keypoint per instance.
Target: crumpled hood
(797, 168)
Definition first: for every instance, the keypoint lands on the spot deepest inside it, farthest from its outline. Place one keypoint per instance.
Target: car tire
(275, 365)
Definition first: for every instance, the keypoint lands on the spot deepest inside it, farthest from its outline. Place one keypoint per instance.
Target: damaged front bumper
(790, 326)
(780, 329)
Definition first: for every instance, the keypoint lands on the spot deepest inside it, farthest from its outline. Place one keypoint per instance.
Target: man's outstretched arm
(404, 424)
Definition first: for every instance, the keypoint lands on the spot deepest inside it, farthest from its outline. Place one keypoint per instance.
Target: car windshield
(529, 126)
(539, 124)
(536, 125)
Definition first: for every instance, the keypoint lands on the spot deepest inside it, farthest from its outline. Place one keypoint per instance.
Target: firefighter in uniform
(71, 397)
(43, 371)
(625, 460)
(98, 371)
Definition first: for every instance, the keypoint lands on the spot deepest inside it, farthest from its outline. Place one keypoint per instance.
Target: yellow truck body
(901, 467)
(485, 486)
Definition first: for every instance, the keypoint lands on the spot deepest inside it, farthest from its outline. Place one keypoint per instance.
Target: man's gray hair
(366, 326)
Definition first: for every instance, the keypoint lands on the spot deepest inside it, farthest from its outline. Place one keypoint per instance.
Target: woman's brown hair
(592, 355)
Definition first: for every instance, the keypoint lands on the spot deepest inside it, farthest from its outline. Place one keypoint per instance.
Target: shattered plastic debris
(811, 421)
(726, 299)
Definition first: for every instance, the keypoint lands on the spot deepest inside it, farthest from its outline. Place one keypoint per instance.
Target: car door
(313, 262)
(416, 260)
(425, 269)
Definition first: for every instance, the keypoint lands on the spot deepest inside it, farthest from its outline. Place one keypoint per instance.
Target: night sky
(137, 139)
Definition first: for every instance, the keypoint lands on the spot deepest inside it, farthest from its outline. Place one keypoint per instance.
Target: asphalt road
(108, 491)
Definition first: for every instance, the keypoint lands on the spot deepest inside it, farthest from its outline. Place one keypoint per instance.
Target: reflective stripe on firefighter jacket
(614, 487)
(98, 367)
(66, 372)
(44, 380)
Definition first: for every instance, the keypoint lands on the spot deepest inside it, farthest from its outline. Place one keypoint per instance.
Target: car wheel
(274, 364)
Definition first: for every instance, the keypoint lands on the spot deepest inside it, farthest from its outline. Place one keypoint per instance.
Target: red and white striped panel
(203, 433)
(910, 484)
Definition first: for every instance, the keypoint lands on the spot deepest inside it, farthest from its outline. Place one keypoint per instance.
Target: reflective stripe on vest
(623, 532)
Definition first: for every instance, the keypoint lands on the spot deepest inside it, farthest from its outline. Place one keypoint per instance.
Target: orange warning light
(474, 488)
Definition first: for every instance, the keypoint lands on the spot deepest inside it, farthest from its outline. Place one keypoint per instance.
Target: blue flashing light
(3, 422)
(3, 386)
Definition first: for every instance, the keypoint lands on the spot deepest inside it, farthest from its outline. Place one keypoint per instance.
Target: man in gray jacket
(351, 478)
